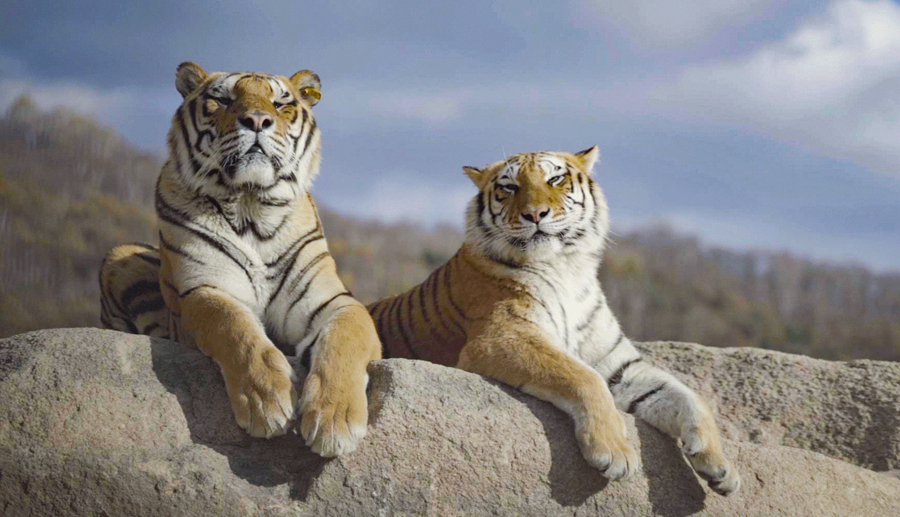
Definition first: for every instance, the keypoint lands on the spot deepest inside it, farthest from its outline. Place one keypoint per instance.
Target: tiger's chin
(252, 172)
(540, 246)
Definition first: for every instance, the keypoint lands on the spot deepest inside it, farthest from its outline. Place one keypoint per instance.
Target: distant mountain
(71, 188)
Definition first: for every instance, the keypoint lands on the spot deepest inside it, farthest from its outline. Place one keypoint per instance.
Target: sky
(753, 124)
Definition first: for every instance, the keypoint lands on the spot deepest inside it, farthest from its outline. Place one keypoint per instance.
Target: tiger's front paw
(605, 446)
(262, 393)
(710, 463)
(334, 414)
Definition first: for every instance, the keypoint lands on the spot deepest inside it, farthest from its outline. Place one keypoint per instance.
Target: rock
(102, 423)
(846, 410)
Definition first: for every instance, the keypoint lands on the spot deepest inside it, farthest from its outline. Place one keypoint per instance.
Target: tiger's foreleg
(517, 352)
(333, 404)
(662, 401)
(258, 378)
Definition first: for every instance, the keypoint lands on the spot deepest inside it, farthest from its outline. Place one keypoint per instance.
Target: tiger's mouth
(255, 149)
(538, 237)
(254, 165)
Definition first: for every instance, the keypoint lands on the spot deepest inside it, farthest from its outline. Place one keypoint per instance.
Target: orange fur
(239, 258)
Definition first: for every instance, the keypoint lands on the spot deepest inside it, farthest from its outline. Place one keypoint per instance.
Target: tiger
(520, 302)
(243, 269)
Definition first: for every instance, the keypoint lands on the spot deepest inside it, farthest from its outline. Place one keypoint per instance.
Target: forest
(71, 188)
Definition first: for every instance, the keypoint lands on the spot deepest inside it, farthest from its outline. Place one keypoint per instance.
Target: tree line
(71, 188)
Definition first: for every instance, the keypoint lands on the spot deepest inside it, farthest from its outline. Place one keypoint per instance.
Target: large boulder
(847, 410)
(102, 423)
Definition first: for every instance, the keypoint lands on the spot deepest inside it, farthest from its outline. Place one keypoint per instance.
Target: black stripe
(148, 247)
(192, 289)
(385, 318)
(634, 403)
(196, 125)
(616, 344)
(590, 318)
(184, 134)
(411, 321)
(449, 287)
(502, 261)
(153, 305)
(104, 308)
(315, 260)
(562, 307)
(263, 238)
(150, 328)
(171, 286)
(168, 214)
(312, 129)
(276, 203)
(547, 310)
(302, 125)
(299, 297)
(178, 251)
(150, 259)
(435, 305)
(320, 308)
(424, 307)
(132, 328)
(396, 318)
(119, 310)
(306, 356)
(616, 378)
(299, 242)
(481, 208)
(240, 230)
(136, 289)
(613, 349)
(509, 311)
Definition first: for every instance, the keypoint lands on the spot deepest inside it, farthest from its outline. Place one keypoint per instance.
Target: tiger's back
(130, 297)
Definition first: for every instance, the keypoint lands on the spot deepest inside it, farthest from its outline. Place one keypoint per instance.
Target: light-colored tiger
(243, 264)
(521, 302)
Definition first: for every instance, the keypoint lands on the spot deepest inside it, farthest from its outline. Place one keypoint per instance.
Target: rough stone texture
(101, 423)
(847, 410)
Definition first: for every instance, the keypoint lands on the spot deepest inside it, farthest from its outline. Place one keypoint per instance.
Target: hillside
(71, 188)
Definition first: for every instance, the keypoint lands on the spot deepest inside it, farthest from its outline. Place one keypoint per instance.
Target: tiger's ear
(478, 176)
(309, 86)
(588, 158)
(188, 77)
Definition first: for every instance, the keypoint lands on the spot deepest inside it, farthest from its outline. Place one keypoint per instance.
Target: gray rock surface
(846, 410)
(101, 423)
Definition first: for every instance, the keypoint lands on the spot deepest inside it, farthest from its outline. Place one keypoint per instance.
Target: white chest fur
(568, 293)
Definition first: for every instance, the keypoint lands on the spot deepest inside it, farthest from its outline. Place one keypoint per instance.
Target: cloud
(671, 23)
(83, 99)
(141, 114)
(436, 107)
(402, 196)
(832, 85)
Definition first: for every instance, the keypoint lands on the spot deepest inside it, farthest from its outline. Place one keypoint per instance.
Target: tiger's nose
(256, 120)
(536, 215)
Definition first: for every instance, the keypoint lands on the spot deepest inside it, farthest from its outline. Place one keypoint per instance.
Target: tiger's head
(245, 131)
(533, 206)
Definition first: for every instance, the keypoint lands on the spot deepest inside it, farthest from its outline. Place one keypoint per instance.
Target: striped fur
(521, 302)
(243, 267)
